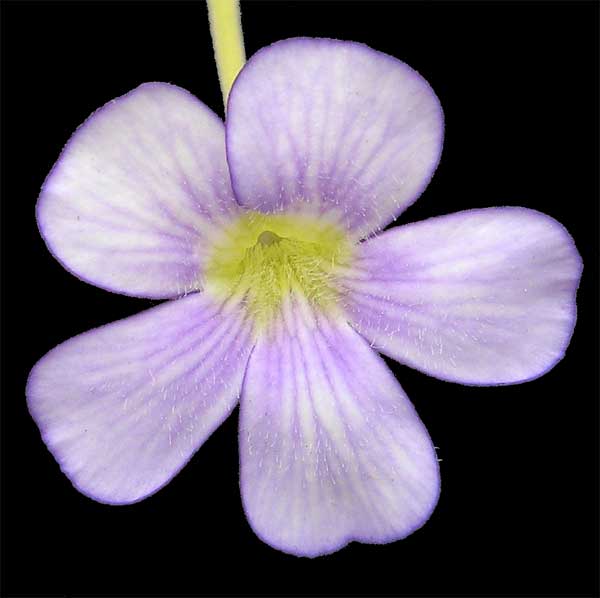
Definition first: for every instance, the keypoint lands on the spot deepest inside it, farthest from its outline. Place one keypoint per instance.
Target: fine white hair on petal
(479, 297)
(334, 124)
(331, 450)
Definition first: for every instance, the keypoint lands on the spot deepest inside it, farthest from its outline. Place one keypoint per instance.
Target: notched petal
(481, 297)
(331, 450)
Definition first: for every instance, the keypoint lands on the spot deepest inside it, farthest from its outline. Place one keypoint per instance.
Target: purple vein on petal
(480, 297)
(123, 407)
(314, 473)
(349, 139)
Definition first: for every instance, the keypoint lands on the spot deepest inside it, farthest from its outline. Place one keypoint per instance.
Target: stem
(228, 41)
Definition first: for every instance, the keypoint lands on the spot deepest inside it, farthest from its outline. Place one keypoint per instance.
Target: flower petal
(478, 297)
(136, 191)
(335, 125)
(331, 450)
(123, 407)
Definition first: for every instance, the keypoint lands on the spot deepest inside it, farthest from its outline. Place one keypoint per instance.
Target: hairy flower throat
(263, 259)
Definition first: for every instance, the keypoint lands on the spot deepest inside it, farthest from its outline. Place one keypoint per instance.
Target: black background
(518, 511)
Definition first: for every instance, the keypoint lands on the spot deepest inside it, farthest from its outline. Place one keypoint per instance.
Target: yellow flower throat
(264, 258)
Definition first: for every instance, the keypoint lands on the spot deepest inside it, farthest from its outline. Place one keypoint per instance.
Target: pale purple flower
(265, 231)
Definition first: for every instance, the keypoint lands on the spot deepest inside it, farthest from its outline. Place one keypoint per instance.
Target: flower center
(268, 237)
(264, 259)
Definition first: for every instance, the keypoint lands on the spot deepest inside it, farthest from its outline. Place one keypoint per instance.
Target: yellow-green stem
(228, 41)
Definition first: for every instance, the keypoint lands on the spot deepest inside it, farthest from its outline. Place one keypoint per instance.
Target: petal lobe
(335, 126)
(123, 407)
(131, 202)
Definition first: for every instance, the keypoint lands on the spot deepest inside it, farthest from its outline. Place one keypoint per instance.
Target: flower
(264, 231)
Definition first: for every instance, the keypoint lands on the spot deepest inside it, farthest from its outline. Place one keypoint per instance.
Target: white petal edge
(131, 203)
